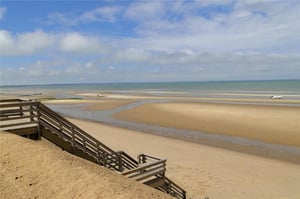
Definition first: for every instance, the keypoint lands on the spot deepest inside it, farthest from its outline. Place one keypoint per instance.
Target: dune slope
(39, 169)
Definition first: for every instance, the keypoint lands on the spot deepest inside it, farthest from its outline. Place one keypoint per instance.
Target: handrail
(174, 189)
(128, 161)
(10, 100)
(142, 171)
(147, 169)
(69, 124)
(12, 110)
(142, 158)
(110, 157)
(18, 104)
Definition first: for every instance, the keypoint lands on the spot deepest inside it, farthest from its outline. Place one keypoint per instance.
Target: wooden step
(156, 182)
(149, 174)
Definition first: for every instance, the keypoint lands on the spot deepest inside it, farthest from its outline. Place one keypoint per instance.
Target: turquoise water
(289, 88)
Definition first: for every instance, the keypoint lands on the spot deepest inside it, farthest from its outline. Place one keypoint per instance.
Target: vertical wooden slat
(120, 162)
(73, 136)
(21, 110)
(39, 122)
(84, 145)
(31, 113)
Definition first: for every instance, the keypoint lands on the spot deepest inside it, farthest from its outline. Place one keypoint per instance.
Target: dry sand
(272, 124)
(38, 169)
(207, 171)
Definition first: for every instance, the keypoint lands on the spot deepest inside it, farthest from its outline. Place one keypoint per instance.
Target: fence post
(120, 162)
(21, 110)
(72, 132)
(142, 158)
(84, 145)
(39, 129)
(98, 154)
(31, 113)
(104, 159)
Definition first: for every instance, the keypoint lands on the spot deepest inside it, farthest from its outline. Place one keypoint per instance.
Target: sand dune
(38, 169)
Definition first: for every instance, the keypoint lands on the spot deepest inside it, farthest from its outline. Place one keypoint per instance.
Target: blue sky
(44, 42)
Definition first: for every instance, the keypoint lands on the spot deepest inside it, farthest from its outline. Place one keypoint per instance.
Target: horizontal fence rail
(15, 113)
(79, 138)
(25, 116)
(146, 170)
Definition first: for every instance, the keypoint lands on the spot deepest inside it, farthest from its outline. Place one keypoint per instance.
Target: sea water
(290, 89)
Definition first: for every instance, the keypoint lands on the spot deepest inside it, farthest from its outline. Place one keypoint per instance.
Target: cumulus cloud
(39, 42)
(157, 66)
(81, 44)
(246, 26)
(25, 43)
(171, 41)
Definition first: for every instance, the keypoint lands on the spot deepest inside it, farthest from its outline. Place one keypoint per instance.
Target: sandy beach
(206, 171)
(39, 169)
(203, 170)
(271, 124)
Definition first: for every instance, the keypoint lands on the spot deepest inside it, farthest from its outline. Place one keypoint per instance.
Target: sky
(94, 41)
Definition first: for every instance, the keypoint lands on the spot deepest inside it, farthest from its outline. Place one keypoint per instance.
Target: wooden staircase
(35, 120)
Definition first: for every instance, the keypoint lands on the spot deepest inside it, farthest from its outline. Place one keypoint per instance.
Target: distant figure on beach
(100, 95)
(276, 97)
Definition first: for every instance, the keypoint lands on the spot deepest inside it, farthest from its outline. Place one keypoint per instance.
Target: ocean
(289, 89)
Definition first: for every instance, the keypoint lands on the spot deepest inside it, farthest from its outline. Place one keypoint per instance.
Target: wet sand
(203, 170)
(271, 124)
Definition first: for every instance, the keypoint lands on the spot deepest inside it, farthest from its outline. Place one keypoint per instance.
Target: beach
(203, 170)
(271, 124)
(218, 170)
(230, 145)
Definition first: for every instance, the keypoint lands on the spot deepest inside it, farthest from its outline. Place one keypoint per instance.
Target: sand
(93, 104)
(271, 124)
(38, 169)
(108, 104)
(204, 170)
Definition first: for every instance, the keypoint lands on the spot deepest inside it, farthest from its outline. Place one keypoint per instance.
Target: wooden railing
(147, 170)
(16, 113)
(172, 189)
(79, 138)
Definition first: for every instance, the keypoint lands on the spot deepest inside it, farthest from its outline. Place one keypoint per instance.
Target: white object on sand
(276, 97)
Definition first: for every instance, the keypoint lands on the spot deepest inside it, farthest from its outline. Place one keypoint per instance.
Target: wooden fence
(33, 119)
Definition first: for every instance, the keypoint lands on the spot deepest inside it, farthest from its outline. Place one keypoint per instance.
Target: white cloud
(39, 42)
(25, 43)
(141, 10)
(158, 66)
(3, 10)
(81, 44)
(100, 14)
(90, 65)
(263, 27)
(250, 40)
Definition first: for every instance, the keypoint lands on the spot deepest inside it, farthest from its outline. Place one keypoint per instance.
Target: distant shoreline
(101, 105)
